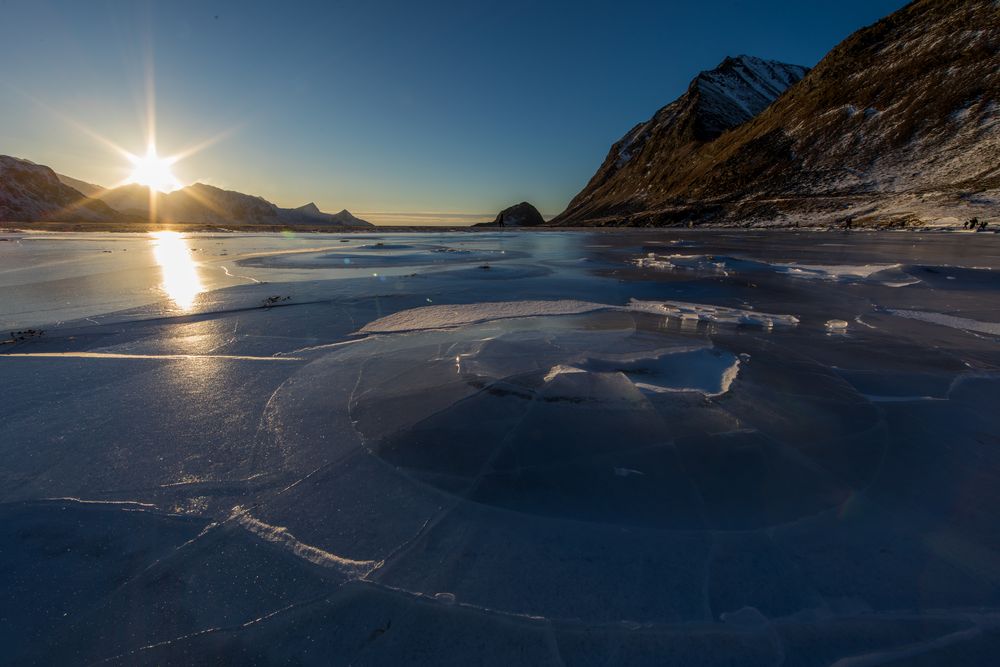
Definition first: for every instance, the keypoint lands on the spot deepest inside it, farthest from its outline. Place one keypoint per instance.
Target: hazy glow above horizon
(180, 279)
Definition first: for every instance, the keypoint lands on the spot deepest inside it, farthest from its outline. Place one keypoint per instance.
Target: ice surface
(780, 449)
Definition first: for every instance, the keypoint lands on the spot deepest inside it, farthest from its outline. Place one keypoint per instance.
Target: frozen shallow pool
(534, 447)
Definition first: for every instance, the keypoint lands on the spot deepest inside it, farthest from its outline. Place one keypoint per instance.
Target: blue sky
(402, 111)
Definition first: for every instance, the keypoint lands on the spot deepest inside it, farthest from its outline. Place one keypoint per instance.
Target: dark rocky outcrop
(518, 215)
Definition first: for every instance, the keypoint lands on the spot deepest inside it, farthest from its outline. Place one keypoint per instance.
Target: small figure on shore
(982, 226)
(848, 223)
(500, 220)
(972, 224)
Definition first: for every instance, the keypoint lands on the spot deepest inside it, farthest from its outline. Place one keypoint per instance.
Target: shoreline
(139, 228)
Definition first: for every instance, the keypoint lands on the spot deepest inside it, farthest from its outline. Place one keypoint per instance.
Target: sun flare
(154, 171)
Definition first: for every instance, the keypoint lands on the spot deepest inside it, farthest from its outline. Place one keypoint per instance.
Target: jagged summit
(309, 209)
(739, 89)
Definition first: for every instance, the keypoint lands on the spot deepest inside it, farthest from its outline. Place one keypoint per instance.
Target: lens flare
(153, 171)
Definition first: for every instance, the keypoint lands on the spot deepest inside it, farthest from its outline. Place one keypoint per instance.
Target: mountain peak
(737, 90)
(899, 117)
(716, 101)
(309, 209)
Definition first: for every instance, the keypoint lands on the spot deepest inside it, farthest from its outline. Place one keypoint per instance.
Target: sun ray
(149, 169)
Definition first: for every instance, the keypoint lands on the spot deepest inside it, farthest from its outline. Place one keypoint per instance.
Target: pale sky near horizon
(437, 112)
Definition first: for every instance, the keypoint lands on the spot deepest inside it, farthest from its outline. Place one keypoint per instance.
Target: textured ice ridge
(442, 317)
(279, 535)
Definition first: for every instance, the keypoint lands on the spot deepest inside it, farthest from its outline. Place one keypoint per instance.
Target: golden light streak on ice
(180, 272)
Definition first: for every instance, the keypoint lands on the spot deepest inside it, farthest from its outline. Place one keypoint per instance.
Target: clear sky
(398, 111)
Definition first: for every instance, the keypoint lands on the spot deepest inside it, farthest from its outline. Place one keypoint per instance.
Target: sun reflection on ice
(180, 273)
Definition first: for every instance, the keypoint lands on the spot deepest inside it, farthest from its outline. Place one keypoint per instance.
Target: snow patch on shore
(830, 272)
(952, 321)
(833, 271)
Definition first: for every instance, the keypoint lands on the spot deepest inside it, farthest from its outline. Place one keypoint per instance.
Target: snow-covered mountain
(899, 124)
(716, 101)
(31, 192)
(737, 90)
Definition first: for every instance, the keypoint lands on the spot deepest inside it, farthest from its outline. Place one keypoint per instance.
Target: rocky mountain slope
(900, 123)
(716, 101)
(32, 192)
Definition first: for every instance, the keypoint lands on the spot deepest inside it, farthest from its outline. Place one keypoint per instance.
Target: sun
(153, 171)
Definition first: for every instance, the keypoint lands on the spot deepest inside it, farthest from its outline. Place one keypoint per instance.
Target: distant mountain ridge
(899, 122)
(31, 192)
(206, 204)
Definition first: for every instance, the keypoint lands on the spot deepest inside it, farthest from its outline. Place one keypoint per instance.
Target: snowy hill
(899, 124)
(716, 101)
(737, 90)
(31, 192)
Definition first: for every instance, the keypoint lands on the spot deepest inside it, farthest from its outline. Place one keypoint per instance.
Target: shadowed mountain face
(31, 192)
(899, 119)
(88, 189)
